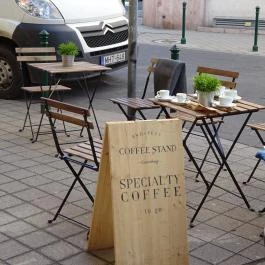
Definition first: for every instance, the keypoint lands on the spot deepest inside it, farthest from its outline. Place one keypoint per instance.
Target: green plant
(206, 82)
(68, 48)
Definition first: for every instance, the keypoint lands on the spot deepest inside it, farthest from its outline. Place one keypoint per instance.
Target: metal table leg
(224, 163)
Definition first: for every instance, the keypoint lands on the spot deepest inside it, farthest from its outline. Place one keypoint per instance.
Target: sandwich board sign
(140, 204)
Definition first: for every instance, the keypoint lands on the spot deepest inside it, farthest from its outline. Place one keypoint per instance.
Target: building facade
(201, 13)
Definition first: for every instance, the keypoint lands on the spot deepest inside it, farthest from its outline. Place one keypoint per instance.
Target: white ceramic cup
(231, 93)
(181, 97)
(163, 93)
(225, 100)
(221, 91)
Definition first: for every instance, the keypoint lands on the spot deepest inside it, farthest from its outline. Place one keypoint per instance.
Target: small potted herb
(68, 51)
(206, 87)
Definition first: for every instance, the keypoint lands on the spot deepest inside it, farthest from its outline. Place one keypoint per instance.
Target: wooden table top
(78, 67)
(199, 112)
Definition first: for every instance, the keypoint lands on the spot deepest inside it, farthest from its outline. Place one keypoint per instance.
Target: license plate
(113, 58)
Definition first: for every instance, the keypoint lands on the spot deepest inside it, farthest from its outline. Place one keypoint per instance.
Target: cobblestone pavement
(33, 182)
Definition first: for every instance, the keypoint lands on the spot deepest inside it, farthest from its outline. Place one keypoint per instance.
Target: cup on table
(221, 91)
(163, 93)
(225, 100)
(181, 97)
(231, 93)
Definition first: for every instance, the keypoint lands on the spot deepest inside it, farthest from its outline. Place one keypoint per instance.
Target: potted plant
(68, 51)
(206, 87)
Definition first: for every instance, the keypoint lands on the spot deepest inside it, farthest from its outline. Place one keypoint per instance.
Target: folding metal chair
(37, 54)
(168, 74)
(85, 153)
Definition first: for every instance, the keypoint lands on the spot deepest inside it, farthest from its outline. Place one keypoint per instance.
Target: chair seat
(135, 103)
(83, 150)
(38, 89)
(188, 118)
(257, 126)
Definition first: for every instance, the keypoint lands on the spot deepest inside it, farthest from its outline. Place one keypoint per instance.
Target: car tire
(10, 74)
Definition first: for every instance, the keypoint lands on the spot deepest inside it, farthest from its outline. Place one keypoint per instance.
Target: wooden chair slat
(38, 89)
(214, 71)
(70, 119)
(66, 106)
(35, 50)
(36, 58)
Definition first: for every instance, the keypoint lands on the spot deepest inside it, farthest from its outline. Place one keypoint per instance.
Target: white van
(98, 27)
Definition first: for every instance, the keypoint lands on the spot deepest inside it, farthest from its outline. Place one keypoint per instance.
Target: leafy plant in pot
(68, 51)
(206, 86)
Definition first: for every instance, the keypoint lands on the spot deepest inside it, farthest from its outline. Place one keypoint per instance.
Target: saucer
(217, 104)
(175, 101)
(237, 98)
(169, 98)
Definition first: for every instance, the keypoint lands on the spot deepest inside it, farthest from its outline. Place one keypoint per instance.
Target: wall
(167, 14)
(233, 8)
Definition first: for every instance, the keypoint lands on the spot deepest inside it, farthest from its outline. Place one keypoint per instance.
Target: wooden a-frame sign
(140, 205)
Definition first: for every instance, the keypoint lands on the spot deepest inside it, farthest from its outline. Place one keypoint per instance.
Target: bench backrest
(227, 77)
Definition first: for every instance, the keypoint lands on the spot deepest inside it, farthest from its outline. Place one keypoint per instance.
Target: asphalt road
(250, 83)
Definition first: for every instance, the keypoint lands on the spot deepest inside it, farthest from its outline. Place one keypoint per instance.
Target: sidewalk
(33, 183)
(209, 41)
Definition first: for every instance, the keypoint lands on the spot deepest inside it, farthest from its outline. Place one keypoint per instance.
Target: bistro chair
(85, 153)
(37, 54)
(167, 74)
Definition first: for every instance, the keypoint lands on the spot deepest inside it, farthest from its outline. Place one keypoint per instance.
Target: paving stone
(41, 169)
(211, 253)
(194, 242)
(83, 258)
(36, 180)
(9, 201)
(54, 188)
(13, 186)
(19, 174)
(241, 214)
(37, 239)
(79, 240)
(196, 261)
(16, 229)
(205, 232)
(23, 210)
(31, 258)
(11, 248)
(232, 242)
(224, 222)
(256, 251)
(218, 205)
(7, 167)
(41, 220)
(30, 194)
(25, 163)
(47, 203)
(59, 250)
(4, 179)
(10, 158)
(6, 218)
(248, 231)
(236, 259)
(3, 238)
(71, 210)
(64, 229)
